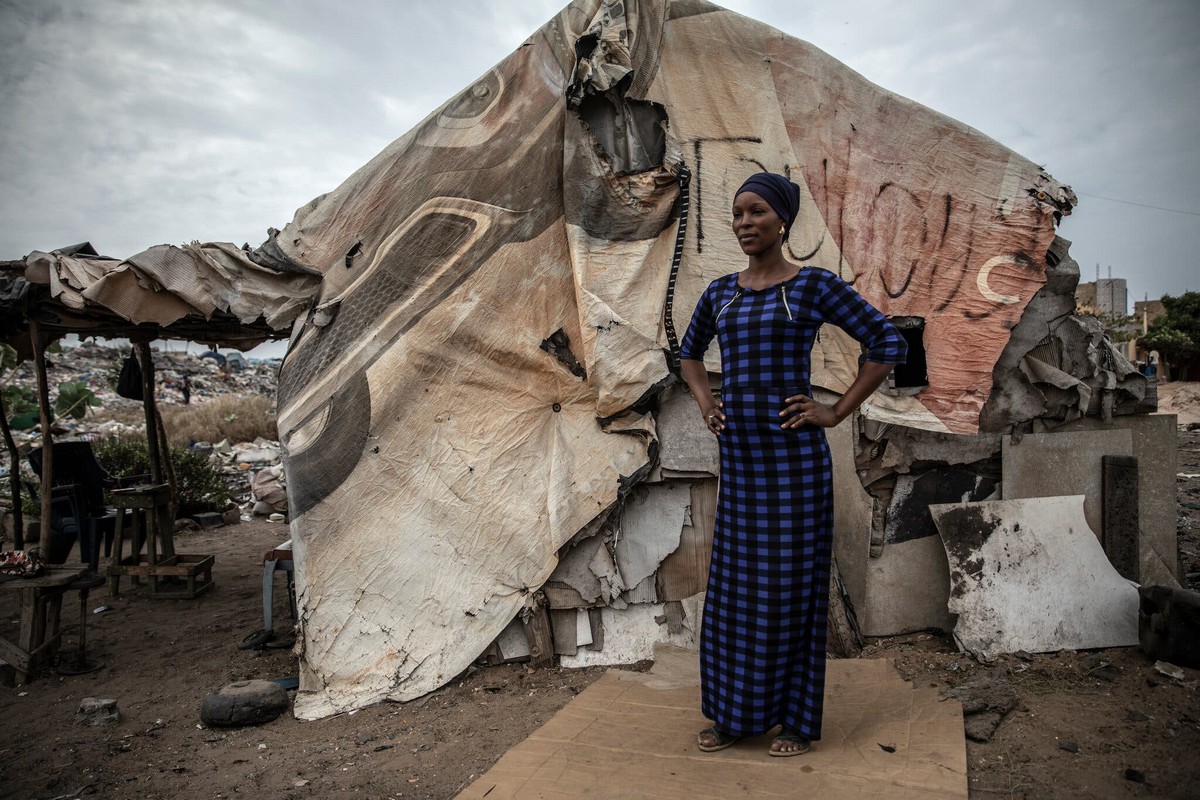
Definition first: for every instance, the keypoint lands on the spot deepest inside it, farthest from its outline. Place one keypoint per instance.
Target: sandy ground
(1182, 399)
(1089, 724)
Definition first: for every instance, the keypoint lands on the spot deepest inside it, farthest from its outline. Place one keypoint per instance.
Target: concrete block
(1169, 625)
(208, 519)
(1062, 463)
(852, 507)
(1154, 445)
(906, 589)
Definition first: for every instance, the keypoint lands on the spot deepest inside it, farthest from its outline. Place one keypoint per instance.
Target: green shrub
(201, 486)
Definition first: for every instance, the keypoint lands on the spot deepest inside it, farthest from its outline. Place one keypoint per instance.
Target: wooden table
(41, 610)
(185, 575)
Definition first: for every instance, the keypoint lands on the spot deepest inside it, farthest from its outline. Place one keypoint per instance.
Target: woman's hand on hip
(803, 410)
(714, 417)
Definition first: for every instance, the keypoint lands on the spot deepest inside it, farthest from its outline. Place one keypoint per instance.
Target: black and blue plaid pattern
(762, 645)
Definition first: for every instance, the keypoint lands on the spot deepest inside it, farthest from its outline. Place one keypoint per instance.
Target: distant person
(187, 391)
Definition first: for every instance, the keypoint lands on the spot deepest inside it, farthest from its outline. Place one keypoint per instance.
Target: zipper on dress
(783, 297)
(736, 295)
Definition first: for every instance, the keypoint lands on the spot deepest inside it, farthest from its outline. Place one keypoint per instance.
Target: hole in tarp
(912, 376)
(558, 344)
(631, 133)
(352, 254)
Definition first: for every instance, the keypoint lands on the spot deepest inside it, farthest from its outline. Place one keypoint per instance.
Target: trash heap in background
(252, 470)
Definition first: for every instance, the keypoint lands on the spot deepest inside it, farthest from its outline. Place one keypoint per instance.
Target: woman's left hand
(803, 410)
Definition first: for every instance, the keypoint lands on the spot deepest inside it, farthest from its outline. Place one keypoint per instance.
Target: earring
(782, 231)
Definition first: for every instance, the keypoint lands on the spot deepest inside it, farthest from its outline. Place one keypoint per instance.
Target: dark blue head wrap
(780, 193)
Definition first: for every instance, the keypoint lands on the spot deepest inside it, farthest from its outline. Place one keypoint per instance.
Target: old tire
(244, 703)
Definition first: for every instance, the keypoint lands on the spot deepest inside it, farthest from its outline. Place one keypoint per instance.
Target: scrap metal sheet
(1031, 575)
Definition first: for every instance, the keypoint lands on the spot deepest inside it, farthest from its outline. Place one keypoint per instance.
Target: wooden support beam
(14, 479)
(39, 366)
(146, 361)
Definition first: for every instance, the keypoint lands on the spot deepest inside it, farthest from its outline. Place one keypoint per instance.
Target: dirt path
(1095, 724)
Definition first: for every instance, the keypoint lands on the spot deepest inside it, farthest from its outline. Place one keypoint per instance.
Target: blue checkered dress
(762, 645)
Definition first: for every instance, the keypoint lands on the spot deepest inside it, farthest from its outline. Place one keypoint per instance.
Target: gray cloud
(130, 122)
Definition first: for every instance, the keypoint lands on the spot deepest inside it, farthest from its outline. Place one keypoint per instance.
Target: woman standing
(762, 645)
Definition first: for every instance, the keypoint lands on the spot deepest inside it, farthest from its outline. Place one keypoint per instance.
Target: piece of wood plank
(1121, 537)
(563, 625)
(844, 639)
(685, 572)
(673, 611)
(536, 621)
(596, 619)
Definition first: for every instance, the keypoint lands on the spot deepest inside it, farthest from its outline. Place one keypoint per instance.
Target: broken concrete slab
(1030, 575)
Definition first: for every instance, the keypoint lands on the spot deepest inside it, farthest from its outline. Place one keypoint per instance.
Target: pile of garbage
(252, 470)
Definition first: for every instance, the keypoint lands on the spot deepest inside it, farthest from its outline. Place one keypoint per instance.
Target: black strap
(685, 179)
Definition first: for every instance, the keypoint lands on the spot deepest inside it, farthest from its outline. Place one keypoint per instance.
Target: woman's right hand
(714, 417)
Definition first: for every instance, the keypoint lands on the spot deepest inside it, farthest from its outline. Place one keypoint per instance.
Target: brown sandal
(722, 739)
(787, 737)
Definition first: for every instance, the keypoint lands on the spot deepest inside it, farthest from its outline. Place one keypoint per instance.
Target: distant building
(1146, 311)
(1106, 297)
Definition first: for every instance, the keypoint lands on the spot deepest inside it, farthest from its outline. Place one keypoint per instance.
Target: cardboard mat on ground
(633, 735)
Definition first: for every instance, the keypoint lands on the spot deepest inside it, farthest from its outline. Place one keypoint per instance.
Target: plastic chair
(75, 465)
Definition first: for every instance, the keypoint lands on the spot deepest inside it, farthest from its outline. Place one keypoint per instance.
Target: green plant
(1176, 334)
(74, 400)
(201, 486)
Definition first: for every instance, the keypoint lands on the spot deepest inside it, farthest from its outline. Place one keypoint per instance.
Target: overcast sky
(131, 123)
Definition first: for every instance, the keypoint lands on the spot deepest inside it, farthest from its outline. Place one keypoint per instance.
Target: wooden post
(843, 637)
(43, 385)
(164, 447)
(14, 478)
(146, 359)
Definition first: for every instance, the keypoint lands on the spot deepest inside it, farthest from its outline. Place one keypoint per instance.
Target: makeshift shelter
(480, 410)
(208, 293)
(475, 409)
